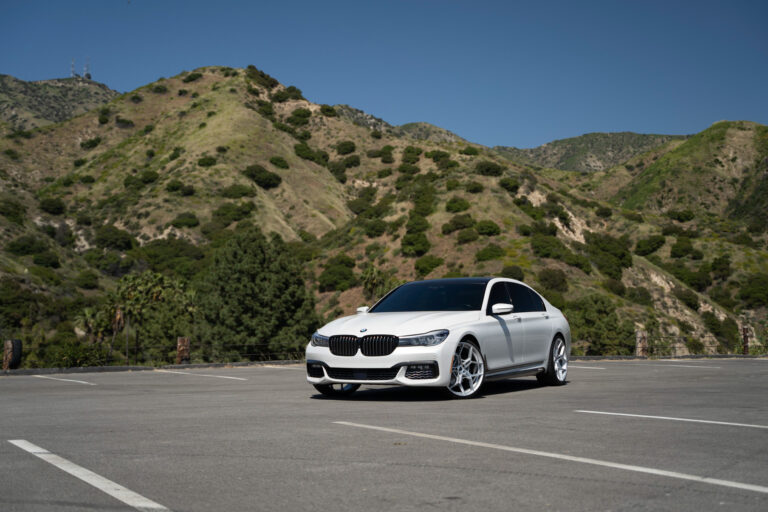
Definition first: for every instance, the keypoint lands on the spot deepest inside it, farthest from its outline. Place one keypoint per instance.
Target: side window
(520, 298)
(535, 300)
(498, 295)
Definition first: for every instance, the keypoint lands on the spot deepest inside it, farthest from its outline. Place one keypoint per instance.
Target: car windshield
(433, 296)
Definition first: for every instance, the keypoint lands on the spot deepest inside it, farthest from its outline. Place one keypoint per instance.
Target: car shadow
(411, 394)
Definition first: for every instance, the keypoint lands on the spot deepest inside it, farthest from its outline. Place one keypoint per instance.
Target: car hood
(398, 324)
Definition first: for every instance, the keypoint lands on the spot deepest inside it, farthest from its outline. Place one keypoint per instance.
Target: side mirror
(362, 310)
(502, 309)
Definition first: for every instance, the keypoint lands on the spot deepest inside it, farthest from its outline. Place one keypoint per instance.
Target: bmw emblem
(363, 330)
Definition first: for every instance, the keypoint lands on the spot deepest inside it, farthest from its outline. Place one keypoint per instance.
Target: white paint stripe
(202, 375)
(670, 365)
(670, 418)
(586, 367)
(117, 491)
(65, 380)
(571, 458)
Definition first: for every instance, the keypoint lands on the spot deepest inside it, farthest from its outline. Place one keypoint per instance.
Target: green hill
(587, 153)
(161, 180)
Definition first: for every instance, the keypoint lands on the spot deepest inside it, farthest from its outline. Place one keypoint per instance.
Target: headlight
(318, 340)
(424, 340)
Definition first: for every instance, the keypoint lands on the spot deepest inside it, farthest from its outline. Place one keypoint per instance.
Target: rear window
(433, 296)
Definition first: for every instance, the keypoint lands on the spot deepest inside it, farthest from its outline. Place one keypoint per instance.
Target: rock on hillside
(26, 105)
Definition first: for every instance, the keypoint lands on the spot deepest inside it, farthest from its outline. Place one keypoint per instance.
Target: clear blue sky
(497, 73)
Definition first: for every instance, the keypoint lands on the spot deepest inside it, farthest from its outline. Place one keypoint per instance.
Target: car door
(501, 337)
(538, 328)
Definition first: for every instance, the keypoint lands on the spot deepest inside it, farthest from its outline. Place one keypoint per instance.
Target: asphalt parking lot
(616, 437)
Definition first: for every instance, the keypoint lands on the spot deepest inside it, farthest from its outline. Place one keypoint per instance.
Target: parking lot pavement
(621, 435)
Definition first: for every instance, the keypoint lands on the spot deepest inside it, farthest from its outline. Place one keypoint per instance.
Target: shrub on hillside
(754, 291)
(87, 280)
(12, 210)
(375, 228)
(488, 168)
(680, 215)
(470, 151)
(473, 187)
(185, 220)
(553, 279)
(408, 169)
(345, 147)
(52, 205)
(489, 252)
(414, 244)
(456, 205)
(238, 190)
(228, 213)
(427, 264)
(487, 228)
(328, 111)
(603, 212)
(90, 143)
(206, 161)
(279, 161)
(687, 297)
(26, 245)
(47, 259)
(136, 98)
(260, 77)
(512, 272)
(646, 246)
(307, 153)
(299, 117)
(192, 77)
(148, 176)
(615, 286)
(411, 154)
(416, 224)
(262, 177)
(375, 134)
(467, 235)
(639, 295)
(159, 89)
(122, 122)
(457, 222)
(683, 247)
(12, 154)
(338, 274)
(79, 162)
(110, 237)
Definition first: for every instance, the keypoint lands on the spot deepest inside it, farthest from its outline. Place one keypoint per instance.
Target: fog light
(422, 371)
(315, 370)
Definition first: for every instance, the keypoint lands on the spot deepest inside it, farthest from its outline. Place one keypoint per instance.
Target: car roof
(457, 280)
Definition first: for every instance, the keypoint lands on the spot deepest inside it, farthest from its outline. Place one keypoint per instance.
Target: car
(453, 334)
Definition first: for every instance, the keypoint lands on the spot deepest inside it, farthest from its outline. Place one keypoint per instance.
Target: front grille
(345, 345)
(372, 345)
(362, 373)
(422, 371)
(378, 345)
(315, 370)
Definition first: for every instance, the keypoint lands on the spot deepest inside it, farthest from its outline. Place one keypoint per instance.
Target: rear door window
(520, 298)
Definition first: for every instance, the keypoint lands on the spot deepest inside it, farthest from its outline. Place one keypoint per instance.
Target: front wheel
(467, 370)
(557, 365)
(336, 390)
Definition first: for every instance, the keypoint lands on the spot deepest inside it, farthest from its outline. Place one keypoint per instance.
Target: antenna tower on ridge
(72, 69)
(86, 71)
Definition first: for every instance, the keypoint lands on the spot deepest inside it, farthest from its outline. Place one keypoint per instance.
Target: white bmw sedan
(449, 333)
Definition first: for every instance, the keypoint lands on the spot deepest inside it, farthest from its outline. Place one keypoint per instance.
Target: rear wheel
(557, 365)
(467, 370)
(336, 390)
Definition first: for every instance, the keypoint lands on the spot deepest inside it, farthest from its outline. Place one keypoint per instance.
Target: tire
(467, 371)
(336, 390)
(557, 365)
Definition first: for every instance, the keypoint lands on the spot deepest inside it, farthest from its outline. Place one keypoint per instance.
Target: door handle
(545, 315)
(514, 317)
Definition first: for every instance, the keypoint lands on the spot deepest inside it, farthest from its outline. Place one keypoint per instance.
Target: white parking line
(670, 418)
(64, 380)
(202, 375)
(586, 367)
(673, 365)
(109, 487)
(571, 458)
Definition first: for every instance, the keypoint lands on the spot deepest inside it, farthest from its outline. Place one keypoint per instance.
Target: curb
(102, 369)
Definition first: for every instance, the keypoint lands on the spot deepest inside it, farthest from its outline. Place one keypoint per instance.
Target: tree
(253, 301)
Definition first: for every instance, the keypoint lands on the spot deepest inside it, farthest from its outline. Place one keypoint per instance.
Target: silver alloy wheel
(467, 370)
(560, 360)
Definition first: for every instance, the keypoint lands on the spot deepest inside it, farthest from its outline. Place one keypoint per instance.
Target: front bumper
(408, 366)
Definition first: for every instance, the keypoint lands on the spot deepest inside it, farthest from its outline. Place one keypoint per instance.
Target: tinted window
(535, 301)
(433, 296)
(498, 295)
(521, 299)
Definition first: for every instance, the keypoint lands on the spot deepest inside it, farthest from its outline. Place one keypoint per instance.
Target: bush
(279, 161)
(136, 98)
(639, 295)
(90, 143)
(456, 205)
(304, 151)
(414, 244)
(408, 169)
(474, 187)
(553, 279)
(345, 147)
(148, 177)
(328, 111)
(615, 286)
(489, 252)
(512, 272)
(52, 205)
(12, 154)
(337, 274)
(47, 259)
(299, 117)
(681, 248)
(383, 173)
(687, 297)
(427, 264)
(238, 190)
(351, 161)
(12, 210)
(375, 228)
(754, 291)
(375, 134)
(159, 89)
(260, 77)
(417, 224)
(467, 235)
(192, 77)
(411, 154)
(25, 245)
(262, 177)
(511, 185)
(79, 162)
(122, 122)
(185, 220)
(680, 215)
(150, 153)
(206, 161)
(488, 168)
(470, 151)
(603, 212)
(110, 237)
(488, 228)
(457, 222)
(228, 213)
(87, 280)
(649, 245)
